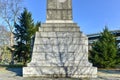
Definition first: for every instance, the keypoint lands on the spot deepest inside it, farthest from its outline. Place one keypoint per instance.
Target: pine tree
(24, 30)
(104, 50)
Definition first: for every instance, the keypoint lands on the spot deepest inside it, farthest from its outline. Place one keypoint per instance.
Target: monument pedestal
(60, 50)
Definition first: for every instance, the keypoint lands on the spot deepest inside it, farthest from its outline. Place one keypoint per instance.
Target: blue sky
(91, 15)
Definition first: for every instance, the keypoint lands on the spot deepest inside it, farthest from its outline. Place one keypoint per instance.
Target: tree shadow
(110, 71)
(68, 54)
(17, 71)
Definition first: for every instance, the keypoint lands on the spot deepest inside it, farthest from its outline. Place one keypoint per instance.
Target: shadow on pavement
(110, 71)
(17, 71)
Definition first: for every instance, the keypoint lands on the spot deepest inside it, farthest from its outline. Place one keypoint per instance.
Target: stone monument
(60, 48)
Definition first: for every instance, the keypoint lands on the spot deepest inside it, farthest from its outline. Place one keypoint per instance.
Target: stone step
(58, 71)
(60, 35)
(59, 29)
(58, 24)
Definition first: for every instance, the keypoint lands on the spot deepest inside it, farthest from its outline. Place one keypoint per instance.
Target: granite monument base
(60, 50)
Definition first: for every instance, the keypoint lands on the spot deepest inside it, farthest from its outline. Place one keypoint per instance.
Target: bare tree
(9, 11)
(4, 36)
(4, 43)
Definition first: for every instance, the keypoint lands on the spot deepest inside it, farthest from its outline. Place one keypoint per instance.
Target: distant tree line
(4, 43)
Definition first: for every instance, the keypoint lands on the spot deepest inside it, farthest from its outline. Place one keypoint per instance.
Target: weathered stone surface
(60, 48)
(59, 11)
(56, 51)
(51, 71)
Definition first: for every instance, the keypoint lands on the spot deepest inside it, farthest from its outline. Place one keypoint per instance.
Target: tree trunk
(11, 39)
(11, 44)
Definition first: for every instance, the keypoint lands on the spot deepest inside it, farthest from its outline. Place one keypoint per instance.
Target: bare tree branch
(9, 11)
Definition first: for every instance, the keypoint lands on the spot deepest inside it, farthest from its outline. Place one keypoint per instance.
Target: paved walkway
(16, 74)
